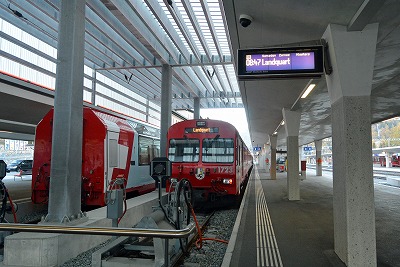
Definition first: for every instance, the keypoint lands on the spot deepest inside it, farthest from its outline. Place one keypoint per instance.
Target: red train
(112, 147)
(381, 159)
(211, 155)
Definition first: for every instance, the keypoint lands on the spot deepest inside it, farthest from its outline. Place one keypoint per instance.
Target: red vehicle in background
(396, 160)
(381, 159)
(211, 155)
(112, 147)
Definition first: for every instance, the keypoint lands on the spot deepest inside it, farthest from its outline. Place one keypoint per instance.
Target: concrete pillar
(93, 96)
(388, 159)
(267, 157)
(303, 173)
(300, 148)
(166, 107)
(352, 55)
(292, 125)
(272, 170)
(66, 158)
(147, 110)
(318, 157)
(261, 161)
(196, 106)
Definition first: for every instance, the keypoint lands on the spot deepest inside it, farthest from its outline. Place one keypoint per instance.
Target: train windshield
(184, 150)
(218, 150)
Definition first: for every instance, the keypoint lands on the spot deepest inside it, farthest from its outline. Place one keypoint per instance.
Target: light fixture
(308, 90)
(275, 132)
(283, 123)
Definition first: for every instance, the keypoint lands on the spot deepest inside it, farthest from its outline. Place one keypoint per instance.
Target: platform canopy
(127, 41)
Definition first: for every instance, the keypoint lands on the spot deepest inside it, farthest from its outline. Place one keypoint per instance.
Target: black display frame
(315, 72)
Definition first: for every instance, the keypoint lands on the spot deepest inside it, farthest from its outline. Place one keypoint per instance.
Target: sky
(235, 116)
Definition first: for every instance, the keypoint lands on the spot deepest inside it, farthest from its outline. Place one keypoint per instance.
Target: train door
(111, 155)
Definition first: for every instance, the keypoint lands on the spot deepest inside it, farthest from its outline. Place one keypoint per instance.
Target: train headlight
(227, 181)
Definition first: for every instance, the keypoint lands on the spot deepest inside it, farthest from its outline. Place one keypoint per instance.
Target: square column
(196, 109)
(353, 188)
(292, 125)
(66, 156)
(266, 154)
(166, 107)
(272, 170)
(318, 157)
(352, 55)
(293, 179)
(388, 159)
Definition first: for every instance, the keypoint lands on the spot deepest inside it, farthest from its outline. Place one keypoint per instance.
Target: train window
(113, 153)
(218, 150)
(155, 150)
(146, 150)
(184, 150)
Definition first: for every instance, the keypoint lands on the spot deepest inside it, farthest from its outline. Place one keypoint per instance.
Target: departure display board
(287, 62)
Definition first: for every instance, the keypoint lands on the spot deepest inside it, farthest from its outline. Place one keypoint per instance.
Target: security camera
(245, 20)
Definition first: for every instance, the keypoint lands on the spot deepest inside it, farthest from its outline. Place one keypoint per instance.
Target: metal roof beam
(158, 12)
(162, 18)
(158, 40)
(364, 14)
(135, 13)
(11, 18)
(216, 43)
(116, 25)
(185, 31)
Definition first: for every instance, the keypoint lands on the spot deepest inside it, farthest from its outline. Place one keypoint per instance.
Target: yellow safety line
(267, 248)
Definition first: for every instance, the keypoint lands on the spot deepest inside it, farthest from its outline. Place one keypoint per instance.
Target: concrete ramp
(47, 250)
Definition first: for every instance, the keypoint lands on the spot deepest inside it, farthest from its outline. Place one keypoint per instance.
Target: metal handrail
(110, 231)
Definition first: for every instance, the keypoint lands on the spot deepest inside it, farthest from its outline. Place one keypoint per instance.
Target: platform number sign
(307, 148)
(257, 148)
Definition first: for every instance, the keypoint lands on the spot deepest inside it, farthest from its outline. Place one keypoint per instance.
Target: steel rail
(110, 231)
(177, 261)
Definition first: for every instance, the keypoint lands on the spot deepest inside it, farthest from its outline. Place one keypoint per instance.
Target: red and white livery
(211, 155)
(112, 147)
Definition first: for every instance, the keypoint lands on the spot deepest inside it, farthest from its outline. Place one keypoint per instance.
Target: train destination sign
(287, 62)
(202, 130)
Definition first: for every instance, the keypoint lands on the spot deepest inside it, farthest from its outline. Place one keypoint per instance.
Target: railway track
(203, 220)
(146, 251)
(211, 253)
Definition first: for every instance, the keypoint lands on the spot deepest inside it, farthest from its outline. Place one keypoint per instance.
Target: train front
(204, 151)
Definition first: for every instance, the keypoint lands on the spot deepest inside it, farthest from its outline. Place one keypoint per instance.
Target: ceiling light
(308, 90)
(283, 123)
(275, 133)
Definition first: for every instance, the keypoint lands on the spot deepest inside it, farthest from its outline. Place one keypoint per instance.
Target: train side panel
(140, 181)
(107, 153)
(42, 157)
(110, 160)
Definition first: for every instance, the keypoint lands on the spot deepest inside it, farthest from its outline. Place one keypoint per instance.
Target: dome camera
(245, 20)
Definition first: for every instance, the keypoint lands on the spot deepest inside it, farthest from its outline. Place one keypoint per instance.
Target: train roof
(207, 121)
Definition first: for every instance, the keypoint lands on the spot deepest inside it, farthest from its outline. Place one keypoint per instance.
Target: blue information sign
(257, 148)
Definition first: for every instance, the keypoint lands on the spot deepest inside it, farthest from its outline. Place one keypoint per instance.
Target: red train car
(212, 155)
(112, 147)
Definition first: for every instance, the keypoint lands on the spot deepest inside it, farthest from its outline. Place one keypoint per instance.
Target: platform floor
(301, 233)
